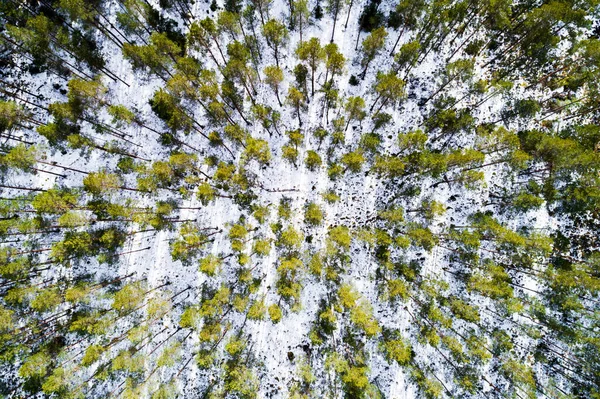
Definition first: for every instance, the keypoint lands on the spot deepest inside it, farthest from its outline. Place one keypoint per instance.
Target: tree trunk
(397, 41)
(348, 17)
(21, 188)
(335, 20)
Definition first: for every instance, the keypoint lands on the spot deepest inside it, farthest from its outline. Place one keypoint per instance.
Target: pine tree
(274, 77)
(371, 47)
(276, 35)
(408, 13)
(311, 52)
(334, 7)
(354, 108)
(301, 15)
(389, 89)
(297, 99)
(334, 61)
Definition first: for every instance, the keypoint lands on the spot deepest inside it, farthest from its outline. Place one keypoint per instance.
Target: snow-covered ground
(361, 195)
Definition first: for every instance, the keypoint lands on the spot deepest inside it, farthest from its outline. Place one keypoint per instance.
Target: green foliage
(372, 45)
(155, 56)
(275, 313)
(353, 161)
(206, 193)
(92, 355)
(464, 311)
(313, 160)
(389, 87)
(261, 247)
(397, 349)
(46, 300)
(397, 289)
(11, 113)
(99, 183)
(257, 310)
(422, 237)
(190, 241)
(473, 195)
(347, 296)
(210, 264)
(290, 239)
(362, 316)
(57, 382)
(125, 361)
(313, 214)
(340, 237)
(276, 35)
(55, 201)
(290, 154)
(258, 150)
(330, 197)
(315, 265)
(36, 366)
(128, 298)
(313, 54)
(6, 319)
(20, 157)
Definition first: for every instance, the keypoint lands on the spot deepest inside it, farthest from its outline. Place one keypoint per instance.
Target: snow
(361, 195)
